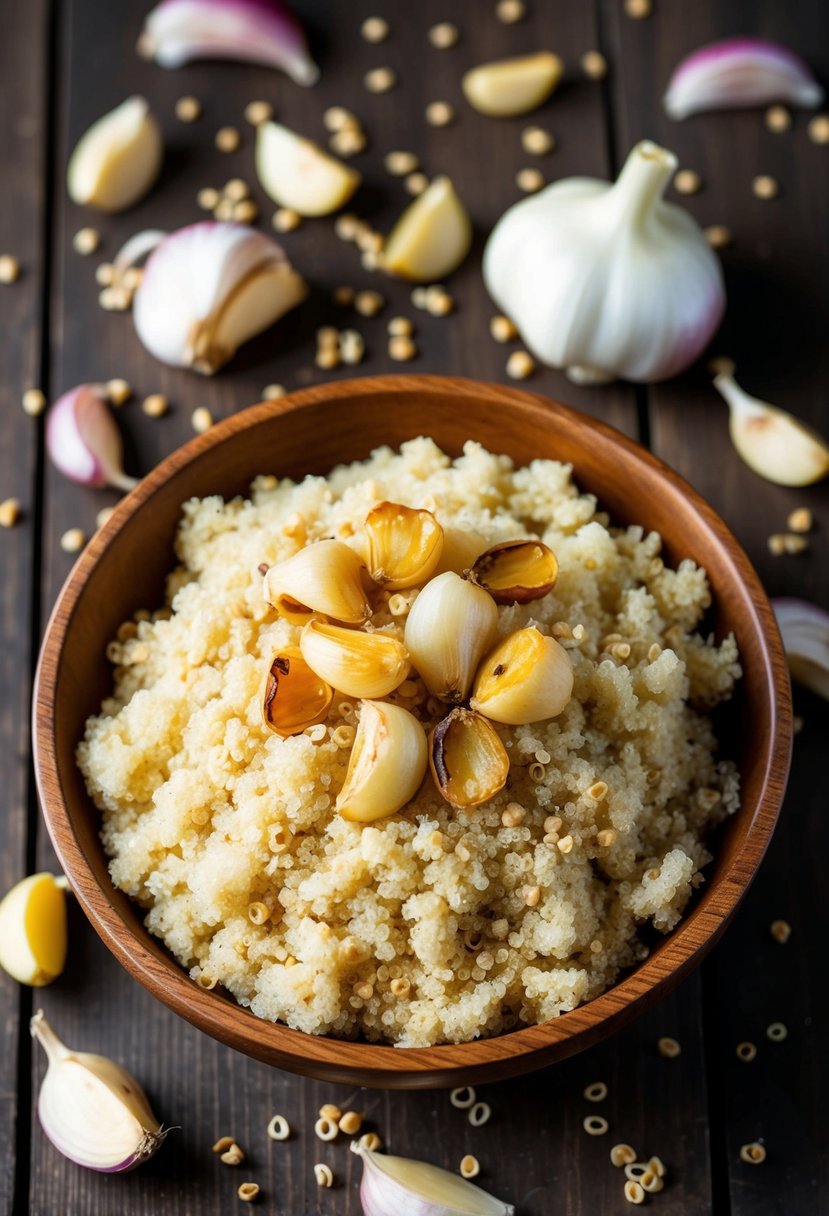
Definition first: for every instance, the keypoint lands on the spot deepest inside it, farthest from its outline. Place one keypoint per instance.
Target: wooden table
(61, 66)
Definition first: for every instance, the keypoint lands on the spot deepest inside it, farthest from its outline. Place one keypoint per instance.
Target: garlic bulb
(397, 1186)
(33, 930)
(738, 73)
(608, 280)
(772, 442)
(208, 288)
(450, 627)
(92, 1109)
(116, 162)
(83, 440)
(388, 762)
(804, 628)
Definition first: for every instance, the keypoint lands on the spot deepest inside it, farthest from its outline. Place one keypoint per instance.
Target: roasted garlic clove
(460, 548)
(451, 626)
(388, 762)
(527, 678)
(326, 578)
(469, 763)
(294, 697)
(516, 571)
(404, 545)
(367, 665)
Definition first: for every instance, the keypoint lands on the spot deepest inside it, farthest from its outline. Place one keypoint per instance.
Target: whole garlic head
(607, 279)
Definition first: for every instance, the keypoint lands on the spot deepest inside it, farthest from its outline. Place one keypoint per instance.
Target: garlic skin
(326, 578)
(771, 441)
(93, 1110)
(804, 628)
(255, 31)
(528, 677)
(608, 280)
(388, 763)
(83, 440)
(365, 665)
(208, 288)
(398, 1186)
(118, 159)
(450, 627)
(738, 73)
(33, 930)
(300, 175)
(432, 236)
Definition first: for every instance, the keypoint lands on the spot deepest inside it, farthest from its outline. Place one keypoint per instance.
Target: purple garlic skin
(737, 74)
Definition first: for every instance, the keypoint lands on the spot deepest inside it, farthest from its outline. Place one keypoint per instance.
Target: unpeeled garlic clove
(738, 73)
(325, 578)
(404, 545)
(468, 761)
(208, 288)
(432, 236)
(33, 930)
(83, 440)
(804, 628)
(398, 1186)
(300, 175)
(460, 548)
(450, 626)
(293, 696)
(528, 677)
(116, 162)
(516, 571)
(772, 442)
(512, 86)
(255, 31)
(387, 764)
(365, 665)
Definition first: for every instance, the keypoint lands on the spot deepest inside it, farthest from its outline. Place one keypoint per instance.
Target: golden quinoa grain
(371, 1141)
(201, 419)
(753, 1154)
(105, 274)
(375, 29)
(86, 241)
(520, 365)
(777, 1032)
(595, 1125)
(248, 1191)
(232, 1155)
(104, 516)
(765, 186)
(657, 1165)
(439, 114)
(222, 1144)
(513, 815)
(718, 236)
(537, 141)
(635, 1170)
(236, 189)
(510, 11)
(596, 1092)
(781, 931)
(778, 118)
(352, 346)
(818, 129)
(380, 80)
(188, 109)
(800, 520)
(400, 327)
(416, 183)
(258, 913)
(286, 220)
(227, 139)
(279, 1128)
(638, 9)
(443, 35)
(114, 299)
(668, 1047)
(606, 838)
(439, 303)
(257, 112)
(776, 544)
(400, 163)
(746, 1052)
(531, 896)
(9, 268)
(565, 845)
(794, 544)
(502, 329)
(529, 180)
(323, 1174)
(327, 336)
(598, 789)
(208, 198)
(351, 1122)
(622, 1154)
(327, 358)
(687, 181)
(335, 118)
(245, 212)
(479, 1114)
(594, 65)
(651, 1182)
(368, 303)
(223, 209)
(9, 512)
(34, 402)
(634, 1192)
(329, 1110)
(325, 1129)
(462, 1098)
(470, 1167)
(155, 406)
(351, 141)
(272, 392)
(73, 540)
(400, 987)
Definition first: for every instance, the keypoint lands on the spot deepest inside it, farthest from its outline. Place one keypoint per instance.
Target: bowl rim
(512, 1052)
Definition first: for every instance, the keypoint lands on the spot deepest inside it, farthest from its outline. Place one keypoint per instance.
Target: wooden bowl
(123, 569)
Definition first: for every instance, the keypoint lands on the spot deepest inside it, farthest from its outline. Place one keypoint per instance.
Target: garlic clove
(254, 306)
(365, 665)
(528, 677)
(255, 31)
(299, 175)
(398, 1186)
(738, 73)
(516, 571)
(432, 236)
(512, 86)
(83, 439)
(772, 442)
(450, 627)
(325, 577)
(388, 763)
(33, 930)
(293, 696)
(468, 761)
(804, 628)
(404, 545)
(460, 548)
(92, 1109)
(116, 162)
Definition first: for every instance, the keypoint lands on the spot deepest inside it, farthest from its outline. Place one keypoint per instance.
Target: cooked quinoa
(207, 815)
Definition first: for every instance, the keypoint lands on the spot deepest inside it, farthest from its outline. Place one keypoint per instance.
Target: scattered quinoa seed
(236, 189)
(327, 358)
(439, 303)
(118, 392)
(73, 540)
(34, 402)
(746, 1052)
(257, 112)
(375, 29)
(597, 1092)
(155, 406)
(399, 327)
(529, 180)
(345, 226)
(687, 181)
(668, 1047)
(794, 544)
(338, 118)
(371, 1141)
(638, 10)
(344, 296)
(510, 11)
(272, 392)
(799, 520)
(201, 419)
(594, 65)
(479, 1114)
(348, 142)
(776, 544)
(352, 346)
(818, 129)
(351, 1122)
(368, 303)
(286, 220)
(634, 1192)
(188, 109)
(439, 114)
(462, 1098)
(657, 1166)
(224, 209)
(232, 1155)
(245, 212)
(470, 1166)
(9, 268)
(753, 1154)
(537, 141)
(323, 1174)
(279, 1128)
(595, 1125)
(502, 329)
(443, 35)
(208, 198)
(622, 1154)
(778, 118)
(520, 365)
(325, 1129)
(400, 163)
(380, 80)
(329, 1111)
(765, 186)
(416, 183)
(223, 1144)
(718, 236)
(104, 516)
(248, 1191)
(105, 274)
(9, 512)
(227, 139)
(86, 241)
(651, 1182)
(402, 348)
(777, 1032)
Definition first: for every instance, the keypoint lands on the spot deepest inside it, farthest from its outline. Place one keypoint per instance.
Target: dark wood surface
(61, 66)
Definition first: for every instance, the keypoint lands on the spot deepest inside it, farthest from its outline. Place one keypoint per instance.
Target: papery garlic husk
(300, 175)
(450, 627)
(116, 162)
(210, 287)
(387, 765)
(365, 665)
(404, 545)
(804, 628)
(83, 440)
(293, 696)
(512, 86)
(516, 571)
(432, 236)
(398, 1186)
(255, 31)
(738, 73)
(33, 930)
(468, 761)
(608, 280)
(460, 548)
(92, 1109)
(772, 442)
(528, 677)
(325, 578)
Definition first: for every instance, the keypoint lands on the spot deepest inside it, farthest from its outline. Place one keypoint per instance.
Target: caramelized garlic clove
(450, 627)
(293, 697)
(512, 86)
(516, 571)
(325, 578)
(299, 175)
(397, 1186)
(432, 236)
(772, 442)
(404, 545)
(116, 162)
(468, 761)
(527, 678)
(387, 765)
(365, 665)
(33, 930)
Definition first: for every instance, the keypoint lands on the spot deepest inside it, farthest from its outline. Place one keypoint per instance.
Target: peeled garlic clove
(804, 628)
(432, 236)
(387, 764)
(527, 678)
(367, 665)
(772, 442)
(404, 545)
(738, 73)
(512, 86)
(255, 31)
(469, 763)
(460, 548)
(208, 288)
(92, 1109)
(83, 440)
(450, 627)
(516, 571)
(293, 697)
(118, 159)
(397, 1186)
(298, 174)
(326, 578)
(33, 930)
